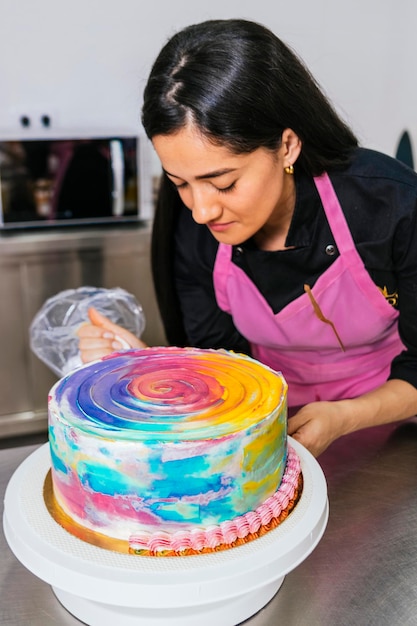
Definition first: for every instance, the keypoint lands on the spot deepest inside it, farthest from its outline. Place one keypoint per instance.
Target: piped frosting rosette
(166, 440)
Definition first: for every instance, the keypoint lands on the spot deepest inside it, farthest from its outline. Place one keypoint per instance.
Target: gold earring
(289, 169)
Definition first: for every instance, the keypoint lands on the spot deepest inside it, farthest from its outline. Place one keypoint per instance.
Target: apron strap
(220, 275)
(334, 213)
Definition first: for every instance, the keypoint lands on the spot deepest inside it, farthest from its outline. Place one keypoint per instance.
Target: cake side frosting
(166, 440)
(233, 532)
(224, 536)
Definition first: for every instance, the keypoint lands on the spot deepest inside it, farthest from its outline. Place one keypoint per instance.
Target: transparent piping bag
(53, 330)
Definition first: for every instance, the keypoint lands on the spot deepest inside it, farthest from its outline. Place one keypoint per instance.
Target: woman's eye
(177, 185)
(180, 186)
(226, 189)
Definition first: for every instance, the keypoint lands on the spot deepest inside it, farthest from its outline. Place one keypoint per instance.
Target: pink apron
(320, 360)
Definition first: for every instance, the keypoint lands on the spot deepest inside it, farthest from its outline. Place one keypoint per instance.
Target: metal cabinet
(35, 266)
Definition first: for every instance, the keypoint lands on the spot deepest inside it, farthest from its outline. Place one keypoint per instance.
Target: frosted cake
(171, 451)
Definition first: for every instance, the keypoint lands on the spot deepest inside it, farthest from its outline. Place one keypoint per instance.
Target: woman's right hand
(100, 337)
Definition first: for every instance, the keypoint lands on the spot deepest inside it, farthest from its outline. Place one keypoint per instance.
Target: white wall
(85, 62)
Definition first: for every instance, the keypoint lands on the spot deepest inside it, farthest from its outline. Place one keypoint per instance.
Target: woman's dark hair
(242, 86)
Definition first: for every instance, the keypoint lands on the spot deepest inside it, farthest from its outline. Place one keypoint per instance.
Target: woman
(276, 235)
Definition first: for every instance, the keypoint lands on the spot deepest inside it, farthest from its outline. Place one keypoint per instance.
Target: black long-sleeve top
(378, 195)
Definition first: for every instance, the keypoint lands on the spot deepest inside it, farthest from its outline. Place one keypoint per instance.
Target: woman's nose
(205, 208)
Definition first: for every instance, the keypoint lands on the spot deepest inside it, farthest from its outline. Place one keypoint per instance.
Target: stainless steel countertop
(363, 572)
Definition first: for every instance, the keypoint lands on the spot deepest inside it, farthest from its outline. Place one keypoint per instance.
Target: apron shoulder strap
(334, 213)
(220, 273)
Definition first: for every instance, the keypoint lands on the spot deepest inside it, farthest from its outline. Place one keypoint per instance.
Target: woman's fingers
(125, 338)
(101, 321)
(89, 330)
(101, 337)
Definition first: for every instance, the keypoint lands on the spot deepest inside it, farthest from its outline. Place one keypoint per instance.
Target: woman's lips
(218, 227)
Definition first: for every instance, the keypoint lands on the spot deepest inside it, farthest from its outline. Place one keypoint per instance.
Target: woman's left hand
(316, 426)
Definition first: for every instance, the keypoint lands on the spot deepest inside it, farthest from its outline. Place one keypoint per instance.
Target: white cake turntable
(103, 588)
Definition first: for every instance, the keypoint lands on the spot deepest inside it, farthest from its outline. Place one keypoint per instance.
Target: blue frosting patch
(104, 480)
(57, 462)
(191, 486)
(213, 512)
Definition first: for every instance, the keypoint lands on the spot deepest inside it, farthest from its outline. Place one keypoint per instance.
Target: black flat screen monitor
(56, 182)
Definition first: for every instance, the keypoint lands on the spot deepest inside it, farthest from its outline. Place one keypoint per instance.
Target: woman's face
(234, 195)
